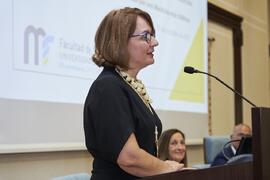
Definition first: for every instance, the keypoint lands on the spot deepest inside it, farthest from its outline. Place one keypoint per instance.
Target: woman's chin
(151, 61)
(178, 159)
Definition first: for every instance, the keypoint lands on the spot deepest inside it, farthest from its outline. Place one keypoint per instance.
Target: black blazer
(220, 159)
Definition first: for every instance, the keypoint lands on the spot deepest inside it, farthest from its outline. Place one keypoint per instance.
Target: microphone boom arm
(228, 87)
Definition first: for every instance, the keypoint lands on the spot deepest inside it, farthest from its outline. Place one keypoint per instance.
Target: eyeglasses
(146, 36)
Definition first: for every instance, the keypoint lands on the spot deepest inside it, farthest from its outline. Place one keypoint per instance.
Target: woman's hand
(174, 166)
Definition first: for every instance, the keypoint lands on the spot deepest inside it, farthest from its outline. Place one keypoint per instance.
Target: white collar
(233, 149)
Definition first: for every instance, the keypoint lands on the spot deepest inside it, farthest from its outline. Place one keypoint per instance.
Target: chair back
(212, 146)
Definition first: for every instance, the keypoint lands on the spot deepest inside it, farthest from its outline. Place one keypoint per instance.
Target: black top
(112, 111)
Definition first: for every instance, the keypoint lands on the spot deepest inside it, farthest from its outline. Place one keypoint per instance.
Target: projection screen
(46, 69)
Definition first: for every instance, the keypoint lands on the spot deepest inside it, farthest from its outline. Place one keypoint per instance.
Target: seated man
(239, 131)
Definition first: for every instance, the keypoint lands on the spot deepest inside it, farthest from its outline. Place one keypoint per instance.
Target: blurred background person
(171, 146)
(239, 131)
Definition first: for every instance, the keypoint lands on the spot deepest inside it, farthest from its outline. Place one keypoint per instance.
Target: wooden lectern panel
(261, 142)
(239, 171)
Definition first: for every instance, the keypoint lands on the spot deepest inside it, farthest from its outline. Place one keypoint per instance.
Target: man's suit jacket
(220, 159)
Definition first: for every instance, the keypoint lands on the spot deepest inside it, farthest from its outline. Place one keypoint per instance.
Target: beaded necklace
(139, 88)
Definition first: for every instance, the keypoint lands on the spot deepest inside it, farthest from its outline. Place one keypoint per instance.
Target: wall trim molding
(234, 22)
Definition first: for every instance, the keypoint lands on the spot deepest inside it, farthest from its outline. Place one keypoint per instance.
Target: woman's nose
(181, 146)
(154, 41)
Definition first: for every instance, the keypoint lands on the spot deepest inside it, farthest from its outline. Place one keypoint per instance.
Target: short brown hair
(112, 36)
(163, 145)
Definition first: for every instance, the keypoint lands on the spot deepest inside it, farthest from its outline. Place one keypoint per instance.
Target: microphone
(191, 70)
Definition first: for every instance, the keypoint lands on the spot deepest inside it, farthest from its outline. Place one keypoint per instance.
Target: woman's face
(140, 50)
(177, 147)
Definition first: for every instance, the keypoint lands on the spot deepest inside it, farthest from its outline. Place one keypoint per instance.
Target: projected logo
(37, 51)
(36, 46)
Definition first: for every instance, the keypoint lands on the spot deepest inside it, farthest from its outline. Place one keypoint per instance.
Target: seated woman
(171, 146)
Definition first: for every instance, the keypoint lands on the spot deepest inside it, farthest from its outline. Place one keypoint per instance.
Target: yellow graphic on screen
(190, 87)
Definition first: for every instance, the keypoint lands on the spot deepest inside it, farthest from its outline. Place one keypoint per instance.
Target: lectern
(241, 171)
(259, 169)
